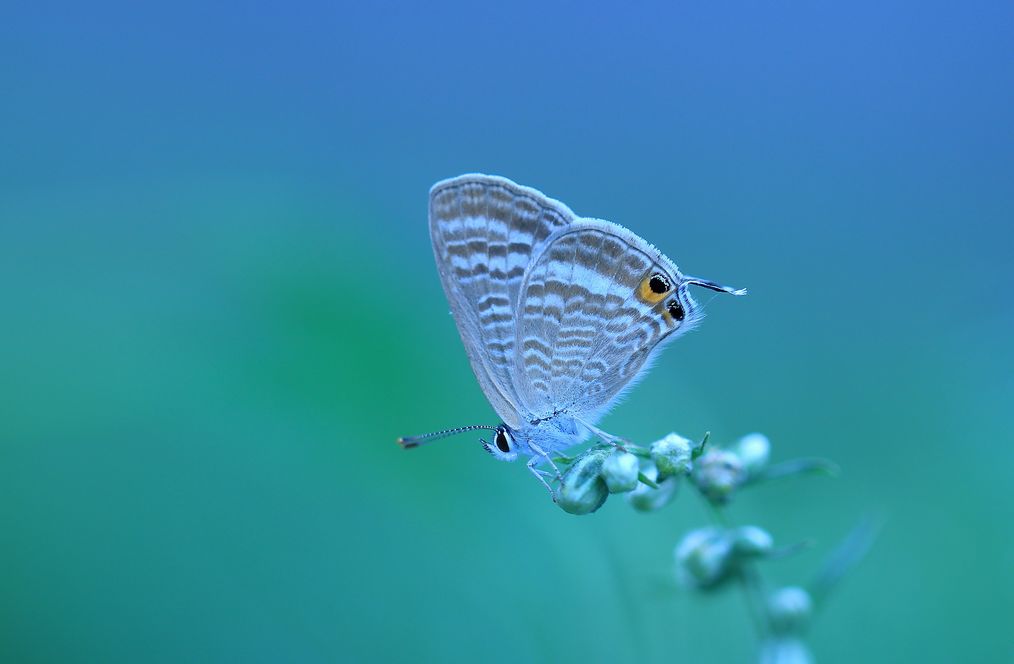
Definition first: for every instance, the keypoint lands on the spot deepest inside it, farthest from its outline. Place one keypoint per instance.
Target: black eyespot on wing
(658, 284)
(501, 441)
(675, 310)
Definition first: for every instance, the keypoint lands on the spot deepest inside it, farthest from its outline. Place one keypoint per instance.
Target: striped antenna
(711, 285)
(409, 442)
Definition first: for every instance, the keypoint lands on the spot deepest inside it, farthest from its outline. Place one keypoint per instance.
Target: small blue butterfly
(559, 314)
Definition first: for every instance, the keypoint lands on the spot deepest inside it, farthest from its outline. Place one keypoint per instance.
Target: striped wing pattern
(485, 231)
(583, 332)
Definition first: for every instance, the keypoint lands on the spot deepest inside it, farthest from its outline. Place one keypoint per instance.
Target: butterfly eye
(675, 310)
(502, 441)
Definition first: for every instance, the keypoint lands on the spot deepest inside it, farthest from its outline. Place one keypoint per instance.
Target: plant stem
(717, 514)
(749, 582)
(753, 595)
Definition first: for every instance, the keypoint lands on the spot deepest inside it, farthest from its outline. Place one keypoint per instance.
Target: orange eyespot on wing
(653, 288)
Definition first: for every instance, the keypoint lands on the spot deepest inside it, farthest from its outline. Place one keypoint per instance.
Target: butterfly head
(504, 445)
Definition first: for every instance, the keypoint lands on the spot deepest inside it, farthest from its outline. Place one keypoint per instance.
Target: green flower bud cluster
(753, 451)
(647, 498)
(649, 477)
(672, 456)
(620, 470)
(719, 472)
(582, 488)
(784, 650)
(708, 557)
(789, 610)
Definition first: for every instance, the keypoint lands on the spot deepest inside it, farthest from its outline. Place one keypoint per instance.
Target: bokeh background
(220, 308)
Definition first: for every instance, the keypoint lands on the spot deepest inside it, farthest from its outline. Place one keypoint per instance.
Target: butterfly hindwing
(485, 231)
(588, 320)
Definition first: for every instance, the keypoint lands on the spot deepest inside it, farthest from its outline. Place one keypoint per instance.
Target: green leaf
(644, 480)
(790, 549)
(794, 467)
(844, 559)
(638, 451)
(699, 450)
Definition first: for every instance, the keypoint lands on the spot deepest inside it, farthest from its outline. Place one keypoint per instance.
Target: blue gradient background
(220, 309)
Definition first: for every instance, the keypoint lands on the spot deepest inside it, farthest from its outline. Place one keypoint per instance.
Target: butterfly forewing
(485, 231)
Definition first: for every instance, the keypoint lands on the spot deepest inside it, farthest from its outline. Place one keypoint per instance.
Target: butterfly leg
(539, 456)
(545, 457)
(539, 476)
(615, 441)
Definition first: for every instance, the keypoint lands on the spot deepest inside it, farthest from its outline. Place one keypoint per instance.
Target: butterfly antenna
(711, 285)
(409, 442)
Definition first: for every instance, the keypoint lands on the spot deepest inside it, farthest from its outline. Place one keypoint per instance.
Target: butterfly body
(552, 434)
(559, 314)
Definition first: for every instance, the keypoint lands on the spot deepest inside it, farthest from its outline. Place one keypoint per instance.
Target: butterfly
(559, 314)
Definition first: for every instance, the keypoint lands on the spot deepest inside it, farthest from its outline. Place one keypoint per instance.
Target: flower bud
(751, 541)
(619, 471)
(582, 489)
(784, 650)
(753, 451)
(718, 473)
(704, 558)
(646, 499)
(789, 610)
(672, 456)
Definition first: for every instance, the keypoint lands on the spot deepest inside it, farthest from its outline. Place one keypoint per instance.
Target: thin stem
(749, 582)
(753, 594)
(717, 514)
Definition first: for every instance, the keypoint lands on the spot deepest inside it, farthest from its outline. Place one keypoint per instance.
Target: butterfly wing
(594, 305)
(485, 230)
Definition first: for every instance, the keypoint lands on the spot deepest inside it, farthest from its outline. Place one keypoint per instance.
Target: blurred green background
(220, 309)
